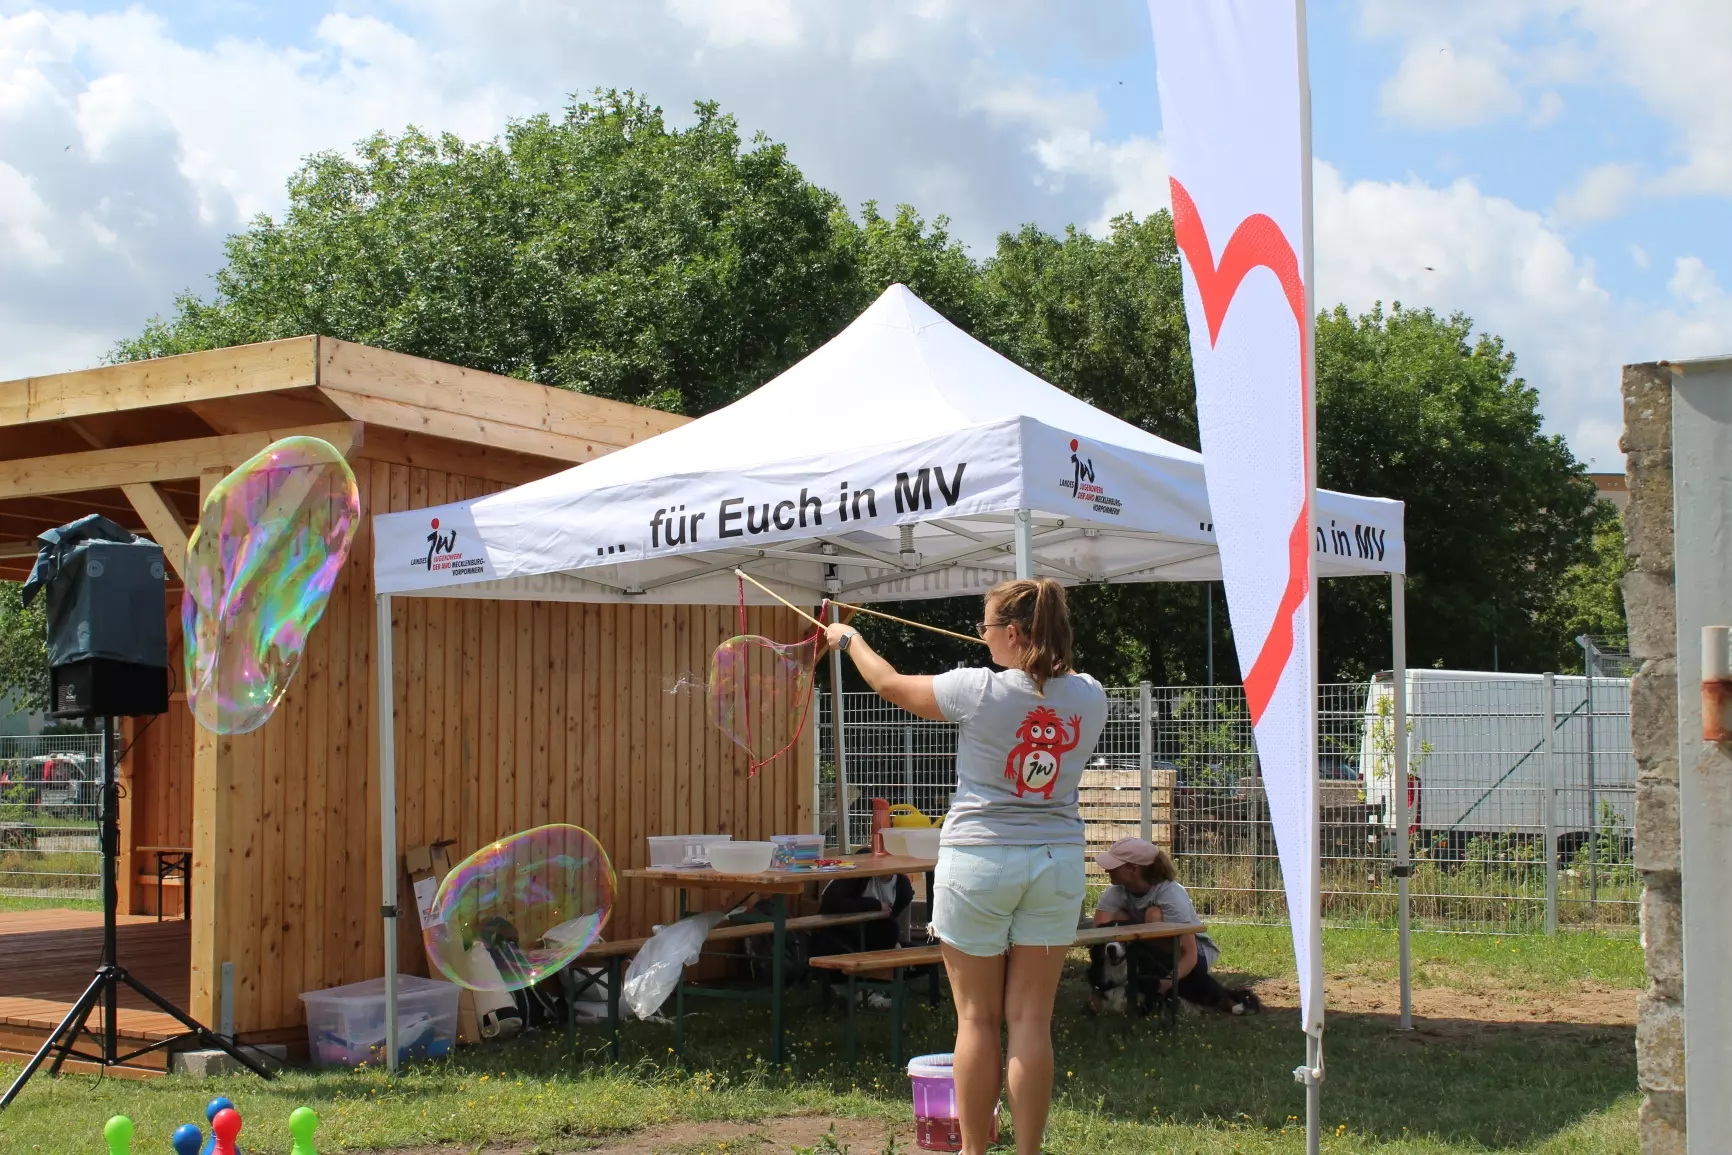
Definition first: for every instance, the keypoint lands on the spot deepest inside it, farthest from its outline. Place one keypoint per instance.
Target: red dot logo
(436, 520)
(1073, 445)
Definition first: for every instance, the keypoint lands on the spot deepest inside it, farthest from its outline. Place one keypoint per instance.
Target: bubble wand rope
(744, 576)
(906, 622)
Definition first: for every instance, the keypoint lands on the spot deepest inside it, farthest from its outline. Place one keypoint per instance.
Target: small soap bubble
(270, 542)
(759, 692)
(533, 901)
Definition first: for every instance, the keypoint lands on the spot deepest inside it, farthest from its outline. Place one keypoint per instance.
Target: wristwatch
(847, 640)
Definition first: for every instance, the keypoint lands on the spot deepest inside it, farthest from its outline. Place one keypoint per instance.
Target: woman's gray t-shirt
(1176, 908)
(1019, 755)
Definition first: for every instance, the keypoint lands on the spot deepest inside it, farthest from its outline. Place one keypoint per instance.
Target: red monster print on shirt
(1034, 763)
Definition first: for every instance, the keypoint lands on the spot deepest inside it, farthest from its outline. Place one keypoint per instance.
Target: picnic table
(858, 968)
(777, 885)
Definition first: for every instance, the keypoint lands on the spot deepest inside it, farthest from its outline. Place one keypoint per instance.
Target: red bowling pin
(227, 1128)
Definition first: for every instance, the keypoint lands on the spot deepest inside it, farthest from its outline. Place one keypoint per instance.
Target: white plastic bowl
(921, 842)
(742, 857)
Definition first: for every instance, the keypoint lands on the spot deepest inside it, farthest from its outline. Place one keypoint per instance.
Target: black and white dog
(1124, 977)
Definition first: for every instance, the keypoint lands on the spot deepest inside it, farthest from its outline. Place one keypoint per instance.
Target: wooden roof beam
(204, 376)
(163, 461)
(163, 520)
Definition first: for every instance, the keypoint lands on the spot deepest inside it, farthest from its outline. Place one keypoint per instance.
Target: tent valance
(892, 463)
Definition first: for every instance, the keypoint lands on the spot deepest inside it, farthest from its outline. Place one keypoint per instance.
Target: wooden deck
(47, 958)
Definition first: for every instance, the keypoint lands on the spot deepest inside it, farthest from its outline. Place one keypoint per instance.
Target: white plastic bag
(655, 972)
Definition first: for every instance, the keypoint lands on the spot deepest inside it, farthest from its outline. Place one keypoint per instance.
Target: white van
(1477, 747)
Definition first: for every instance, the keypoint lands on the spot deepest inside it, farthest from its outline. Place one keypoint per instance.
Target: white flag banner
(1235, 114)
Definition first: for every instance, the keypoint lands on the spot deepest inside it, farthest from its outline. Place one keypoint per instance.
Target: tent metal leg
(388, 821)
(1024, 543)
(1398, 788)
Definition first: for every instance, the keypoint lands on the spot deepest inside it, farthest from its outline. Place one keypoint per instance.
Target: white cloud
(1639, 255)
(760, 23)
(1437, 86)
(23, 217)
(1674, 56)
(1456, 248)
(129, 154)
(1602, 194)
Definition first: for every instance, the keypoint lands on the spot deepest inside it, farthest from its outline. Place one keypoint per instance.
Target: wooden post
(213, 760)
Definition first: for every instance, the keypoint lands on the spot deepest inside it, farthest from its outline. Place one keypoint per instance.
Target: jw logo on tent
(439, 544)
(1084, 487)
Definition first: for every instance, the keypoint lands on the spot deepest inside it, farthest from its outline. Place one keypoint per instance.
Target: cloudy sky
(1561, 170)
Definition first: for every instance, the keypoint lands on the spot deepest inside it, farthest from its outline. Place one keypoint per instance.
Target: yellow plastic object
(903, 814)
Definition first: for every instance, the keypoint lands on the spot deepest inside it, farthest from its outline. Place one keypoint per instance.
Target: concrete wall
(1649, 600)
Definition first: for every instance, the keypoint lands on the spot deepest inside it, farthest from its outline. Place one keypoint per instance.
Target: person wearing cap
(1146, 888)
(1009, 886)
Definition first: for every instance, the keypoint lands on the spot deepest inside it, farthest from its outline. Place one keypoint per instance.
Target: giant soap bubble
(759, 693)
(270, 542)
(521, 909)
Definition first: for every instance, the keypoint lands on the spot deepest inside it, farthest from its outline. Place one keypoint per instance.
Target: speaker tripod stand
(104, 988)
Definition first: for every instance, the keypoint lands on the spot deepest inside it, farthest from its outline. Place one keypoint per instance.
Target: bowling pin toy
(118, 1134)
(225, 1128)
(302, 1123)
(187, 1140)
(210, 1113)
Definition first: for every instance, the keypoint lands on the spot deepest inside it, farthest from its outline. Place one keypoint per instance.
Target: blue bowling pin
(220, 1103)
(187, 1140)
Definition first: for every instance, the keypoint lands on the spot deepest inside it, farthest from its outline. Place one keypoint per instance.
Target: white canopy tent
(902, 460)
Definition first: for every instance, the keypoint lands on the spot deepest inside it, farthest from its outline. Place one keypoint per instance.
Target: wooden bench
(616, 954)
(859, 969)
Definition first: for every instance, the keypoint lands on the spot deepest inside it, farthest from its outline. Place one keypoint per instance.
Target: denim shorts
(991, 898)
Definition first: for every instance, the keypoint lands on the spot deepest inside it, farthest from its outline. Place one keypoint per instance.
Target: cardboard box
(427, 867)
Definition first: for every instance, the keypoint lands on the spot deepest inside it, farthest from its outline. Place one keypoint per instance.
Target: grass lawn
(7, 902)
(1210, 1085)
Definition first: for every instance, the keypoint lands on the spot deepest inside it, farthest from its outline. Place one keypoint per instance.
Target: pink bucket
(937, 1126)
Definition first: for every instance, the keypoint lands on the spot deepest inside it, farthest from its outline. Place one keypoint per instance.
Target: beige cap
(1128, 851)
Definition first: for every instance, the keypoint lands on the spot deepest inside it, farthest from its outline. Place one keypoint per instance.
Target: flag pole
(1313, 912)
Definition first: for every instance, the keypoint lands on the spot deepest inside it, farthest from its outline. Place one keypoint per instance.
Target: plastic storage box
(798, 849)
(346, 1025)
(683, 849)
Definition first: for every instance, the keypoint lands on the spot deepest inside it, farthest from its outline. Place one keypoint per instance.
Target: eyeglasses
(981, 627)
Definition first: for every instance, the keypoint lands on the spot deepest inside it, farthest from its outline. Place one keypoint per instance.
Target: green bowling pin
(302, 1123)
(118, 1132)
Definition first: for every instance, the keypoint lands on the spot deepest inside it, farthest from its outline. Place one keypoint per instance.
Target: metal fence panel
(48, 816)
(1481, 774)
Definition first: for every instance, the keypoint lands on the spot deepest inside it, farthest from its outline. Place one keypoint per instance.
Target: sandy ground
(764, 1137)
(1445, 1013)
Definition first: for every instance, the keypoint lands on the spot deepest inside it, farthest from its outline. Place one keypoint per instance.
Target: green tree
(602, 252)
(23, 650)
(1411, 405)
(1591, 597)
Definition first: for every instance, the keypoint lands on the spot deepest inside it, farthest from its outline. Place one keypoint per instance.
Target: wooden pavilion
(508, 714)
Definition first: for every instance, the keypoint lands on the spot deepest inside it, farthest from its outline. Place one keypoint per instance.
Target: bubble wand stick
(743, 575)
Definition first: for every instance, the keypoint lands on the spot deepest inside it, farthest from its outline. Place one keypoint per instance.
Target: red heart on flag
(1256, 242)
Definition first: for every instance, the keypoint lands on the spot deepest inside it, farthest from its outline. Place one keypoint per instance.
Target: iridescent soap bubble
(270, 542)
(759, 692)
(533, 902)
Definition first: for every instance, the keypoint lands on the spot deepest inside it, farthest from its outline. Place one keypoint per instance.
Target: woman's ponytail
(1040, 610)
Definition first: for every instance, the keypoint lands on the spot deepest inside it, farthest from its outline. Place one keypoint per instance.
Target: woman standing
(1010, 868)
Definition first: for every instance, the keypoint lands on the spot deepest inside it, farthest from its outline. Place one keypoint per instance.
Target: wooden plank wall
(509, 715)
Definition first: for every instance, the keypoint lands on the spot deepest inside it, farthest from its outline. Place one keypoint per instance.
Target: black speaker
(100, 687)
(107, 620)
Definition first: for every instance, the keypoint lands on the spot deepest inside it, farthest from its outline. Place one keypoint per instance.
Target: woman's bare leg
(1031, 985)
(977, 986)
